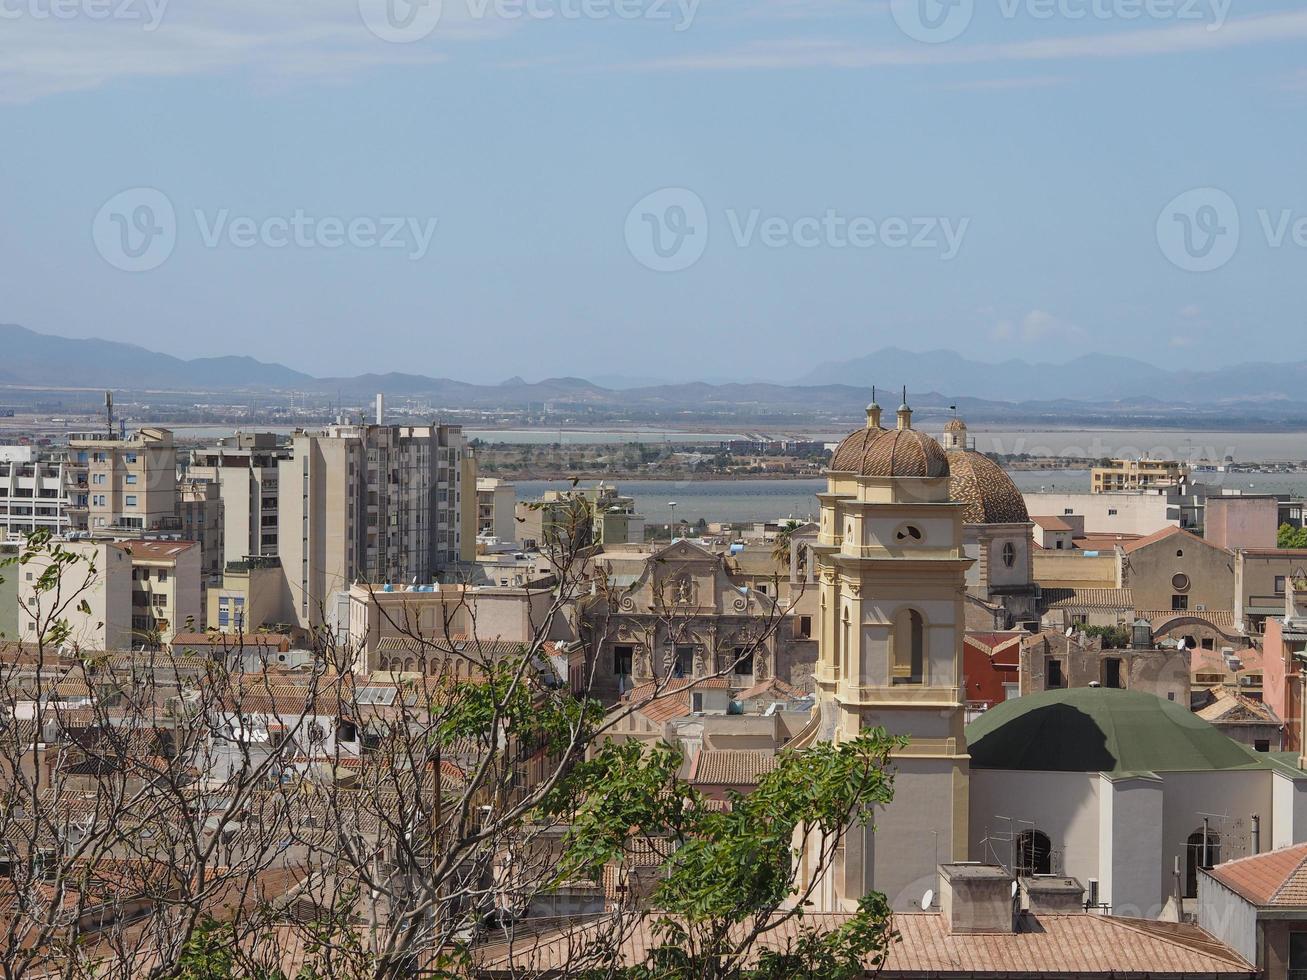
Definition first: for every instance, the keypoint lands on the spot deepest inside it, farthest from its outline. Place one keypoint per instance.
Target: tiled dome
(892, 453)
(955, 425)
(989, 493)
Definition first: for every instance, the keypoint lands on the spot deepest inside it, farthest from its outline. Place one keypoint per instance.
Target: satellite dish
(927, 899)
(1014, 889)
(1070, 631)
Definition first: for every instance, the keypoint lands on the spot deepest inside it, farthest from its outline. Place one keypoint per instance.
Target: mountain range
(938, 378)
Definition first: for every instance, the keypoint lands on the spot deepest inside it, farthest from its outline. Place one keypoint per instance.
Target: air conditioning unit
(1200, 607)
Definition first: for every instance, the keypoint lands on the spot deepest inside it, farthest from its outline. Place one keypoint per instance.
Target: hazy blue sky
(1006, 192)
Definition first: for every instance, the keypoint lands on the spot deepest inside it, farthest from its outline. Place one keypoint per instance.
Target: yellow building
(1137, 474)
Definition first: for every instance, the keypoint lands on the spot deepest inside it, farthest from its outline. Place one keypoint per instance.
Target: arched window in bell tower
(909, 648)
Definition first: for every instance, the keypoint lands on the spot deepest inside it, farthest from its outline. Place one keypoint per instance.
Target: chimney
(1052, 893)
(975, 899)
(381, 409)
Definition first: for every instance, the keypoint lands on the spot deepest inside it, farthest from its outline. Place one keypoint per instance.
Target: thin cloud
(1172, 39)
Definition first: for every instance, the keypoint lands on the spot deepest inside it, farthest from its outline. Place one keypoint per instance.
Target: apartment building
(33, 493)
(245, 469)
(123, 483)
(378, 503)
(1137, 474)
(140, 594)
(600, 513)
(496, 504)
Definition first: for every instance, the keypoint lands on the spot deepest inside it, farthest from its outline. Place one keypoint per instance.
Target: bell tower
(892, 576)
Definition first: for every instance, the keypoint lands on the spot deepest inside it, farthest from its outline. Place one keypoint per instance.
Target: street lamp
(671, 524)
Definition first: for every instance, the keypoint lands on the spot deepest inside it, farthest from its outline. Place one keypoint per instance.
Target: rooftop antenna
(108, 411)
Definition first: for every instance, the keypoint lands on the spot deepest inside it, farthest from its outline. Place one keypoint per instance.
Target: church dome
(988, 492)
(1099, 729)
(890, 453)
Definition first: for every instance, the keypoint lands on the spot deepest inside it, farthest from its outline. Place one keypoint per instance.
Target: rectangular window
(743, 661)
(684, 663)
(131, 500)
(1279, 585)
(1297, 954)
(163, 575)
(130, 479)
(1054, 674)
(1262, 744)
(623, 657)
(805, 627)
(1112, 672)
(1179, 602)
(130, 457)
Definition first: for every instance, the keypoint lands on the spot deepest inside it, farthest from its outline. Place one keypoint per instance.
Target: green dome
(1098, 729)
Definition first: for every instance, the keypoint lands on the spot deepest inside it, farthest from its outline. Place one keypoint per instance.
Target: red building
(991, 663)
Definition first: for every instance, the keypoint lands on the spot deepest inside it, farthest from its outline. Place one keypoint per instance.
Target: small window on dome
(1009, 554)
(910, 532)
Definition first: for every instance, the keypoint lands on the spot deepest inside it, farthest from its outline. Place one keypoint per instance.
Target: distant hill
(1093, 386)
(35, 358)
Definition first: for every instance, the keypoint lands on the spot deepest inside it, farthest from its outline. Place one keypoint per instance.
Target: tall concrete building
(245, 469)
(377, 503)
(123, 483)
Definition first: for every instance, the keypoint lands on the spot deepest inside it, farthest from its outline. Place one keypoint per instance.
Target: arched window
(1034, 855)
(1200, 854)
(1009, 554)
(909, 648)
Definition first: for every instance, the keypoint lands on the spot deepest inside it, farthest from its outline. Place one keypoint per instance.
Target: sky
(668, 189)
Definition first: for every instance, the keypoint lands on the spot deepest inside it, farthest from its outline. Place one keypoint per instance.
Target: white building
(33, 493)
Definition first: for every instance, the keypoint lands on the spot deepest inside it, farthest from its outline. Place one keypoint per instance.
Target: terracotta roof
(1276, 878)
(1099, 541)
(955, 425)
(1051, 523)
(1230, 708)
(154, 550)
(993, 643)
(1047, 946)
(230, 641)
(774, 689)
(891, 453)
(988, 492)
(673, 701)
(1089, 598)
(1130, 547)
(732, 767)
(1222, 619)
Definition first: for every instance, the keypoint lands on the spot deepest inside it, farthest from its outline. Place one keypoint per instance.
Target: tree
(1292, 537)
(173, 815)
